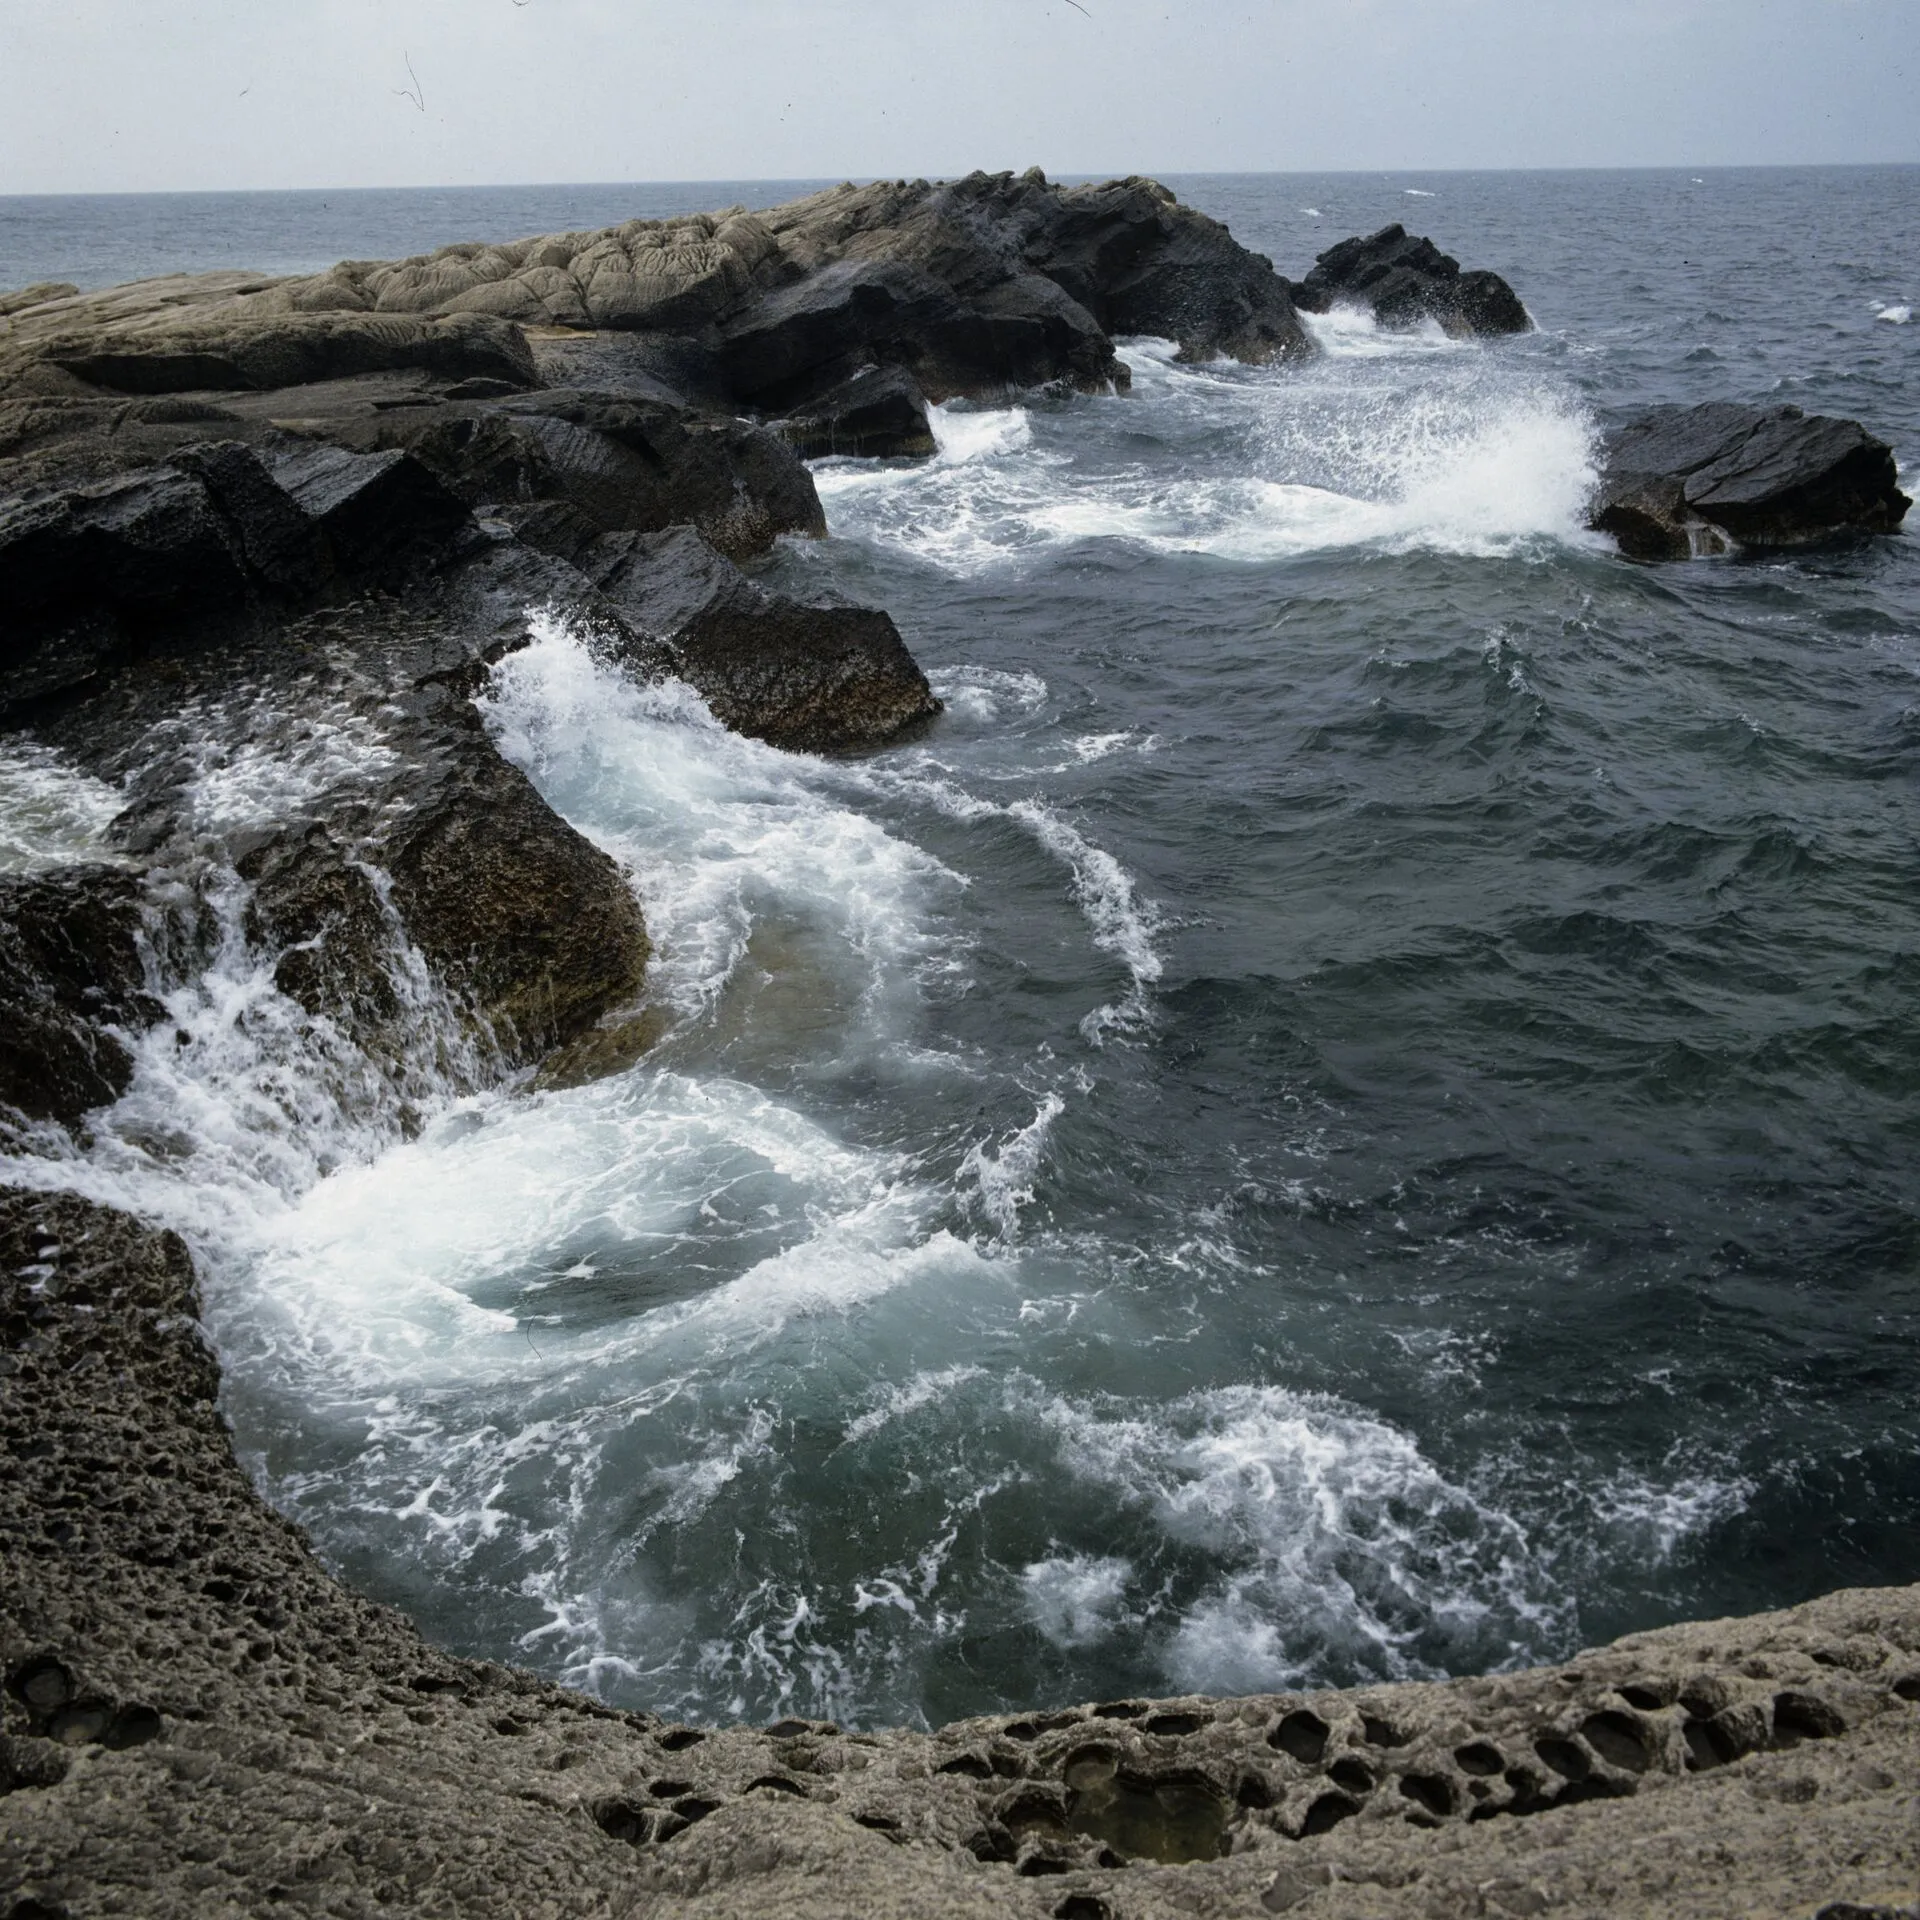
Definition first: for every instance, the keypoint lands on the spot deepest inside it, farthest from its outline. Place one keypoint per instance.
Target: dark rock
(146, 542)
(1403, 279)
(1021, 331)
(820, 679)
(375, 510)
(280, 542)
(879, 414)
(70, 973)
(1686, 480)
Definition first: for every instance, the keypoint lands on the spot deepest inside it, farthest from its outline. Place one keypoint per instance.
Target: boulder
(1403, 279)
(879, 414)
(1679, 481)
(813, 679)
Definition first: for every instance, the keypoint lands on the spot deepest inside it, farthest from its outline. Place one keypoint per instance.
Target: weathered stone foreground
(198, 1720)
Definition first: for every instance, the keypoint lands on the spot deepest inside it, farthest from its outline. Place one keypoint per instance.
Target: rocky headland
(260, 544)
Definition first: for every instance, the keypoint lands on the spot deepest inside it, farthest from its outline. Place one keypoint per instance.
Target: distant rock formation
(1693, 480)
(1403, 280)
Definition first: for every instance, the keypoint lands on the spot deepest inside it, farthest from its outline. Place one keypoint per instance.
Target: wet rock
(1403, 279)
(879, 414)
(814, 679)
(374, 510)
(72, 982)
(1680, 481)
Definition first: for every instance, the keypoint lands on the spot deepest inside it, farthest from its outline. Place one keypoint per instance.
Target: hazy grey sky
(109, 95)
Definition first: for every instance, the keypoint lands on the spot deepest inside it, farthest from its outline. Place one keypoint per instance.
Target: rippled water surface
(1351, 1110)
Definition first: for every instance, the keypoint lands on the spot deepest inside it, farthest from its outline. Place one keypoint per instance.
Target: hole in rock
(1088, 1768)
(1354, 1775)
(678, 1739)
(969, 1764)
(1021, 1730)
(132, 1727)
(1380, 1733)
(991, 1844)
(1120, 1710)
(1303, 1735)
(787, 1729)
(879, 1822)
(778, 1784)
(1171, 1819)
(1433, 1791)
(670, 1789)
(1805, 1716)
(1326, 1813)
(1909, 1688)
(43, 1684)
(1174, 1724)
(1564, 1758)
(695, 1809)
(1082, 1906)
(1035, 1812)
(1647, 1699)
(1619, 1739)
(1480, 1757)
(1709, 1744)
(621, 1820)
(85, 1720)
(1256, 1793)
(1037, 1864)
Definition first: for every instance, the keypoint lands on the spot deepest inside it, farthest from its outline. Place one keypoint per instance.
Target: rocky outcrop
(974, 286)
(813, 679)
(1403, 279)
(1680, 481)
(197, 1719)
(879, 414)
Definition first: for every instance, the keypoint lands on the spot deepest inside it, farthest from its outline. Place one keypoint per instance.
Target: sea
(1351, 1112)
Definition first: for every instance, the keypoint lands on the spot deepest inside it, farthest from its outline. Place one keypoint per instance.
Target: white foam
(1652, 1521)
(1418, 193)
(727, 840)
(1396, 440)
(1003, 1177)
(1075, 1599)
(964, 435)
(1897, 316)
(1342, 1546)
(51, 814)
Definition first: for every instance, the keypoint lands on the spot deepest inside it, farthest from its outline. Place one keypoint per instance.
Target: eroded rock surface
(1680, 481)
(197, 1720)
(1403, 279)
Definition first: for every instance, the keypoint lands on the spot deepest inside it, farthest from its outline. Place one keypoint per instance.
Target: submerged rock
(1403, 279)
(1687, 480)
(814, 679)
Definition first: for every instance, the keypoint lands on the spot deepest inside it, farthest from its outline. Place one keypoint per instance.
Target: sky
(131, 95)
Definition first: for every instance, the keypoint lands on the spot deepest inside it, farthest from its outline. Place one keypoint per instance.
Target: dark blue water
(1353, 1109)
